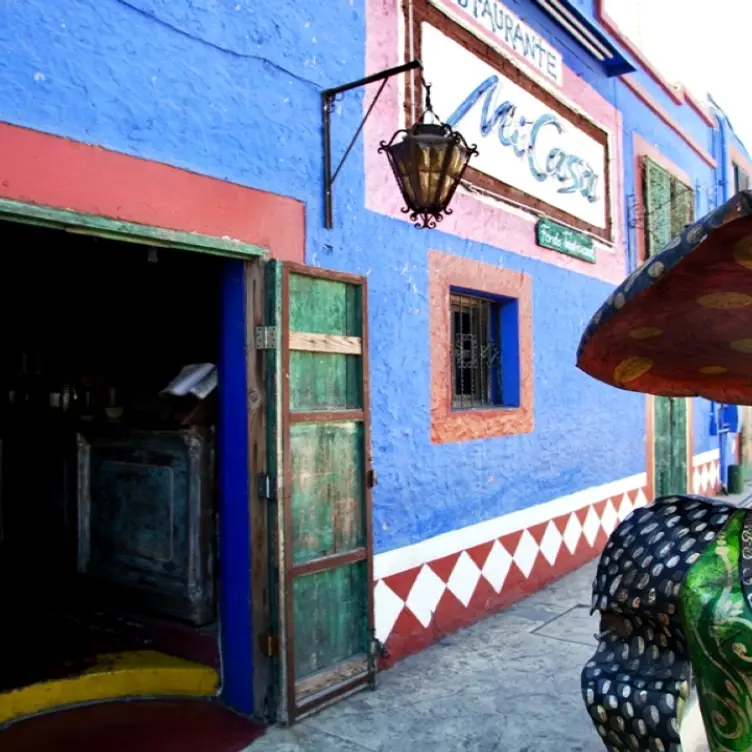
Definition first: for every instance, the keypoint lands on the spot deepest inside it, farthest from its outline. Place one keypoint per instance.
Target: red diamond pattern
(479, 554)
(706, 477)
(419, 605)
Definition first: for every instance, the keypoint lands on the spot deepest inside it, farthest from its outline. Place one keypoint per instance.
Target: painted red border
(679, 94)
(448, 425)
(425, 13)
(738, 157)
(477, 217)
(56, 172)
(644, 95)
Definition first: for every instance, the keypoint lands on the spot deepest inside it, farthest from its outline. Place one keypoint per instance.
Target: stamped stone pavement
(510, 683)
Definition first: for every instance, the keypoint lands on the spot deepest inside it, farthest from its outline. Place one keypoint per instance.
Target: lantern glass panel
(456, 166)
(428, 162)
(402, 162)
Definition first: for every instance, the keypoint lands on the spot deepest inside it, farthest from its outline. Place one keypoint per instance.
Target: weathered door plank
(326, 505)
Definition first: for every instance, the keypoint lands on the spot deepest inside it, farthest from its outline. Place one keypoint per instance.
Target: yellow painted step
(143, 673)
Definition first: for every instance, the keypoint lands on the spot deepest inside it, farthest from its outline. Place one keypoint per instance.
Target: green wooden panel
(679, 445)
(325, 381)
(662, 445)
(657, 207)
(670, 445)
(324, 306)
(682, 206)
(329, 614)
(326, 495)
(327, 489)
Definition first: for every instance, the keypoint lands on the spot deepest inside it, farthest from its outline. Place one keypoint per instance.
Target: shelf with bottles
(45, 388)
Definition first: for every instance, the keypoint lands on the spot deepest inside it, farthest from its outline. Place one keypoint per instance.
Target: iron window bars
(476, 352)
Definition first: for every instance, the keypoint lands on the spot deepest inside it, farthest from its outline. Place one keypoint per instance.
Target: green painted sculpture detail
(673, 588)
(718, 628)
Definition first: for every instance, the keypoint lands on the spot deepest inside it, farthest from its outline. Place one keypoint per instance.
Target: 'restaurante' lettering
(510, 31)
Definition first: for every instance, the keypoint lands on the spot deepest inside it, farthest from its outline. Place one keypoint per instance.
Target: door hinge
(266, 337)
(267, 486)
(269, 644)
(371, 479)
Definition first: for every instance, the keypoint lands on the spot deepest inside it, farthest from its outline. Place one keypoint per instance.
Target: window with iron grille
(476, 352)
(669, 206)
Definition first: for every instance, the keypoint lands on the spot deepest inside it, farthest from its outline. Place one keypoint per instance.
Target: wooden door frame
(255, 314)
(129, 232)
(290, 711)
(650, 443)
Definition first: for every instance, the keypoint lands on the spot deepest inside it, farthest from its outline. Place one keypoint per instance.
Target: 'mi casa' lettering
(526, 137)
(525, 143)
(496, 25)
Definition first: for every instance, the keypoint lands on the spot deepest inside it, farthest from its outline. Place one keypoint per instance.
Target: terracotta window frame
(642, 149)
(448, 274)
(740, 162)
(422, 11)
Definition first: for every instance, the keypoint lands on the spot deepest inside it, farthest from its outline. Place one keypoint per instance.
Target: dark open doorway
(108, 503)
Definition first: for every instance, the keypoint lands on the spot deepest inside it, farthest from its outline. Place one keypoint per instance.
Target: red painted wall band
(645, 96)
(678, 94)
(48, 170)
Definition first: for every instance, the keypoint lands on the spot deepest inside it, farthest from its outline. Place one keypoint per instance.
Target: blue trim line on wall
(511, 363)
(234, 515)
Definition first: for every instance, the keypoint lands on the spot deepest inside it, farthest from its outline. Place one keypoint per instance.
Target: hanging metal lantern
(428, 163)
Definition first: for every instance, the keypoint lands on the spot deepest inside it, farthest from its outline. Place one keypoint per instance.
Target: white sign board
(522, 142)
(497, 26)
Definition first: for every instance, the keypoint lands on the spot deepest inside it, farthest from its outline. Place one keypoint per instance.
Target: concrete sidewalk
(510, 683)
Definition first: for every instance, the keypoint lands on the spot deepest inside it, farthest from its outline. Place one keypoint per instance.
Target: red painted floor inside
(137, 726)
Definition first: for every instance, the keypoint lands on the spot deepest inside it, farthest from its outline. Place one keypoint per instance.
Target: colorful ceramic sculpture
(674, 583)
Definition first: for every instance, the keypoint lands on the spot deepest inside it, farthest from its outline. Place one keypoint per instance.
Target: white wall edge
(705, 457)
(445, 544)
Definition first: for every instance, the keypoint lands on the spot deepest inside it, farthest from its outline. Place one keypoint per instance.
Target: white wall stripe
(705, 457)
(400, 559)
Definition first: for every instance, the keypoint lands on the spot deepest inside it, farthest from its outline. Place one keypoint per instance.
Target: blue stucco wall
(231, 89)
(704, 442)
(585, 433)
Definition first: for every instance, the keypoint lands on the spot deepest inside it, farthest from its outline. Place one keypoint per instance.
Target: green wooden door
(324, 553)
(669, 206)
(670, 446)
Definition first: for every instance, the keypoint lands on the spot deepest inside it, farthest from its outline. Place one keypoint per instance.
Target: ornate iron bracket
(328, 97)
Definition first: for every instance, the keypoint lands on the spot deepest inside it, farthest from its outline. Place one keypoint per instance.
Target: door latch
(267, 486)
(269, 644)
